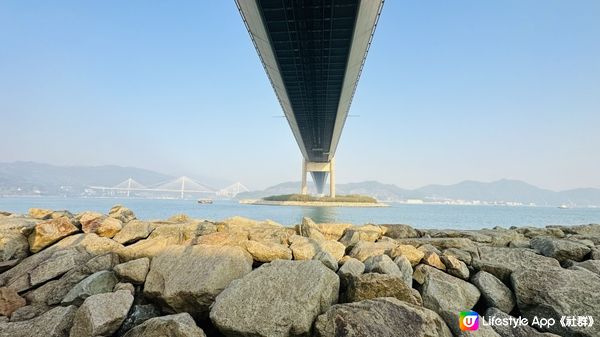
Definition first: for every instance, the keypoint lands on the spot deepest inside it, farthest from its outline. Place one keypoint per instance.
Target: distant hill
(26, 177)
(498, 191)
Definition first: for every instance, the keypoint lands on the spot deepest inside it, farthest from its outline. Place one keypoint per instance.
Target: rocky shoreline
(92, 274)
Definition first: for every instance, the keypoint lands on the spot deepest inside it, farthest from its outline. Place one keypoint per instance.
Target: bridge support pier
(319, 172)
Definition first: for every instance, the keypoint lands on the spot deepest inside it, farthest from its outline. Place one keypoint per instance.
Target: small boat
(563, 206)
(205, 201)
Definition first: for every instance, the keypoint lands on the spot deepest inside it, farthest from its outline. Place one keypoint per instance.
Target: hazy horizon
(450, 92)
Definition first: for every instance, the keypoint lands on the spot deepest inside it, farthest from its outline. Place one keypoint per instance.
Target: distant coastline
(311, 203)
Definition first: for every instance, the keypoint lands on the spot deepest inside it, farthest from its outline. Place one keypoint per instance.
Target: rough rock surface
(382, 317)
(133, 271)
(557, 292)
(455, 267)
(352, 267)
(405, 269)
(101, 314)
(373, 285)
(48, 232)
(501, 262)
(327, 260)
(97, 283)
(410, 252)
(399, 231)
(180, 325)
(560, 249)
(13, 245)
(494, 292)
(382, 264)
(443, 292)
(268, 251)
(187, 279)
(134, 231)
(10, 301)
(121, 213)
(281, 298)
(363, 249)
(103, 226)
(54, 323)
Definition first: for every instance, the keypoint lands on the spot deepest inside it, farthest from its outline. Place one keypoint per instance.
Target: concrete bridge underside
(313, 53)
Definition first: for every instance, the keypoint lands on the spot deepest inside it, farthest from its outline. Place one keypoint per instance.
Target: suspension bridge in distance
(180, 187)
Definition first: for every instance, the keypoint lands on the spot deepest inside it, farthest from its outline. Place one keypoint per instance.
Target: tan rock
(305, 248)
(46, 233)
(309, 229)
(363, 249)
(268, 251)
(410, 252)
(10, 301)
(133, 231)
(121, 213)
(134, 271)
(39, 213)
(13, 245)
(223, 239)
(432, 259)
(104, 226)
(333, 231)
(86, 217)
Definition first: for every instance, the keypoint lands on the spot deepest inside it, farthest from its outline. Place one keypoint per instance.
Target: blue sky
(451, 90)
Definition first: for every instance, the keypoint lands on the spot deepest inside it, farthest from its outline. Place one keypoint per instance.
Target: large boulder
(373, 285)
(557, 292)
(40, 213)
(268, 251)
(494, 292)
(134, 271)
(188, 278)
(413, 254)
(121, 213)
(97, 283)
(180, 325)
(352, 267)
(501, 262)
(382, 264)
(368, 233)
(443, 292)
(363, 249)
(134, 231)
(54, 323)
(54, 291)
(560, 249)
(309, 229)
(48, 232)
(59, 263)
(10, 301)
(381, 317)
(103, 226)
(304, 248)
(13, 245)
(281, 298)
(101, 314)
(399, 231)
(333, 231)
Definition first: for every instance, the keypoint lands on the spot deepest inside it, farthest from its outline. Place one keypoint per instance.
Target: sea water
(420, 216)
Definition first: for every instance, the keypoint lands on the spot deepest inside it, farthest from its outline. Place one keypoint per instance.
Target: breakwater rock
(93, 274)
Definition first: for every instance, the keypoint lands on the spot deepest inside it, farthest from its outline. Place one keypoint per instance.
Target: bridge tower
(319, 172)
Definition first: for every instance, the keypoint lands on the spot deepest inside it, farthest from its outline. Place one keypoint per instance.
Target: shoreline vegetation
(93, 274)
(351, 200)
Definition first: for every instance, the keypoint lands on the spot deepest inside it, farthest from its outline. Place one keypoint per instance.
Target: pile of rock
(92, 274)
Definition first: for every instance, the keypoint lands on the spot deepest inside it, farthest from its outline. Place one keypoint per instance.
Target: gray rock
(510, 331)
(133, 271)
(180, 325)
(352, 267)
(13, 245)
(134, 231)
(58, 264)
(560, 249)
(557, 292)
(28, 312)
(54, 323)
(381, 317)
(54, 291)
(591, 265)
(459, 254)
(373, 285)
(138, 314)
(382, 264)
(494, 292)
(125, 286)
(101, 314)
(121, 213)
(281, 298)
(328, 260)
(501, 262)
(97, 283)
(399, 231)
(405, 269)
(443, 292)
(188, 278)
(309, 229)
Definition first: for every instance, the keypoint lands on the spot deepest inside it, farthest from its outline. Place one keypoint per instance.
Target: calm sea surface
(420, 216)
